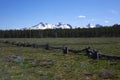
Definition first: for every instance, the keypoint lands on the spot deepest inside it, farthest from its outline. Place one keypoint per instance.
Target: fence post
(47, 47)
(34, 45)
(97, 55)
(65, 50)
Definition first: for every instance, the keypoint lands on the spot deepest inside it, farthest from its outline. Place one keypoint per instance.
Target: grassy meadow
(41, 64)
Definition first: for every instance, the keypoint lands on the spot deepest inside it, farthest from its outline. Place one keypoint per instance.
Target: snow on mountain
(43, 26)
(63, 26)
(94, 26)
(90, 26)
(59, 25)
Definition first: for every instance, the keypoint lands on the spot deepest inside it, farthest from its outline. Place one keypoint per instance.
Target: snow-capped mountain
(94, 26)
(98, 26)
(90, 26)
(43, 26)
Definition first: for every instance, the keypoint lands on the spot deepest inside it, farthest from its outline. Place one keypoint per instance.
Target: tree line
(112, 31)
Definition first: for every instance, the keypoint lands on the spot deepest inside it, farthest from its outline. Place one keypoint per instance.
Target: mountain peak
(43, 26)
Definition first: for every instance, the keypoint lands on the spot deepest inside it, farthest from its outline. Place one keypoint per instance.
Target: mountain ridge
(43, 26)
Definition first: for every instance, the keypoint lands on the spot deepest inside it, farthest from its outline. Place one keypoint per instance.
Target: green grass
(41, 64)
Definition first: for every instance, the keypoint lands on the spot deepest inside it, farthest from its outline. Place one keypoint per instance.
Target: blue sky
(16, 14)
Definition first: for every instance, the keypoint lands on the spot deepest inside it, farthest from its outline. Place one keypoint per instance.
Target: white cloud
(81, 16)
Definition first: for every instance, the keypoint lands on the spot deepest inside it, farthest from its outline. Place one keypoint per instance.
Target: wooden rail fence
(90, 53)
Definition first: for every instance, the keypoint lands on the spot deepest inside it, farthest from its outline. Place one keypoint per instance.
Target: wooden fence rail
(90, 53)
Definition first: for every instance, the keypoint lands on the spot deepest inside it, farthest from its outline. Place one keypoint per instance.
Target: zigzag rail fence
(90, 53)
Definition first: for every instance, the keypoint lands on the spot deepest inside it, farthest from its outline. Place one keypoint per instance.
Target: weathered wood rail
(97, 55)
